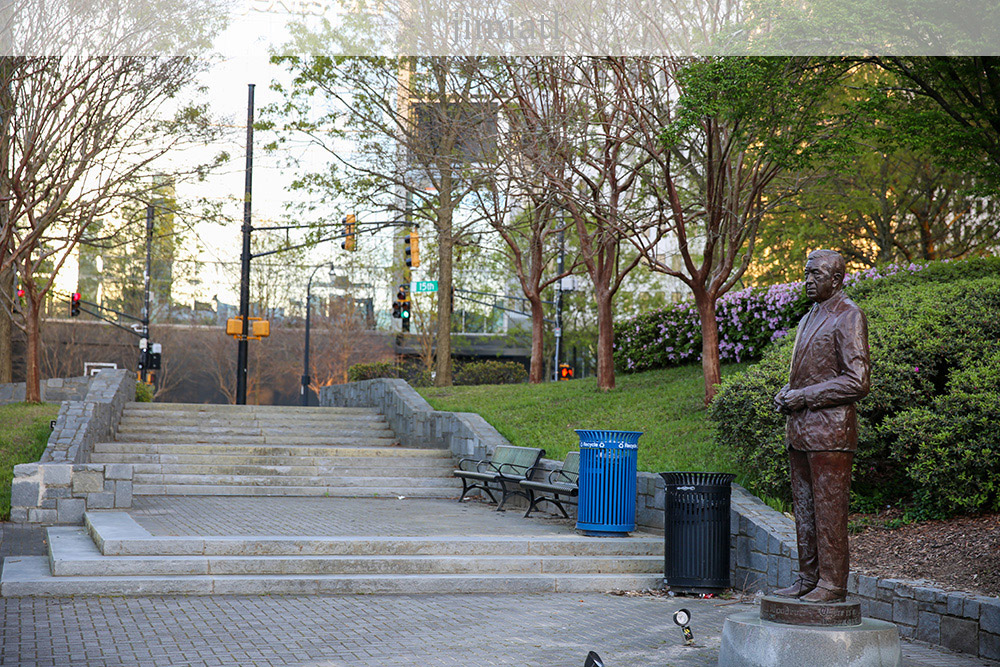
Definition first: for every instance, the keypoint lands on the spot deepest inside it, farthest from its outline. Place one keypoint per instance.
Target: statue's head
(825, 271)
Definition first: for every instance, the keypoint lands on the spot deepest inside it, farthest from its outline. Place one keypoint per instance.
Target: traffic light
(411, 249)
(350, 233)
(565, 372)
(74, 304)
(154, 358)
(403, 304)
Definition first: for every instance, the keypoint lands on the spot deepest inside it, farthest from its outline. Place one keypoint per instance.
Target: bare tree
(513, 197)
(342, 339)
(82, 132)
(580, 141)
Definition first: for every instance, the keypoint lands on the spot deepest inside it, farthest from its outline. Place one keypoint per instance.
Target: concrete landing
(216, 545)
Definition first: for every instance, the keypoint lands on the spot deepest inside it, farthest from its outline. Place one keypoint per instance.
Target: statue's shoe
(825, 595)
(796, 590)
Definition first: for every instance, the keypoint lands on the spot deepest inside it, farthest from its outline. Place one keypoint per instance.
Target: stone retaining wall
(763, 552)
(414, 421)
(61, 486)
(54, 390)
(59, 493)
(82, 423)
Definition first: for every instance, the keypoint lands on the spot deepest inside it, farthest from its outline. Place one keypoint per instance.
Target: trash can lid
(698, 478)
(597, 437)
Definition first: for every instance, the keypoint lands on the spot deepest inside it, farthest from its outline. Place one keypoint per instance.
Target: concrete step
(118, 534)
(283, 480)
(286, 437)
(422, 464)
(31, 576)
(249, 449)
(183, 425)
(302, 467)
(73, 553)
(333, 491)
(203, 408)
(234, 433)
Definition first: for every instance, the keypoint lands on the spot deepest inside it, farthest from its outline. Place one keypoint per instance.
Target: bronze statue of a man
(829, 372)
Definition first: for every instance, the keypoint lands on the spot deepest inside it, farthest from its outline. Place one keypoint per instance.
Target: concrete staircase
(114, 555)
(179, 449)
(385, 520)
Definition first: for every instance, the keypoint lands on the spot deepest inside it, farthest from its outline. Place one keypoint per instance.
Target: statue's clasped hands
(789, 400)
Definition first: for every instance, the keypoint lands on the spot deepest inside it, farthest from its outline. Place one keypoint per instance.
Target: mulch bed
(960, 554)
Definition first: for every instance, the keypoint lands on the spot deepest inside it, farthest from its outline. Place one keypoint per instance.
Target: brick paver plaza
(543, 630)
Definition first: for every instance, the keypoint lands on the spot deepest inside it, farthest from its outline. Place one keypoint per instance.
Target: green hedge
(490, 372)
(371, 371)
(928, 433)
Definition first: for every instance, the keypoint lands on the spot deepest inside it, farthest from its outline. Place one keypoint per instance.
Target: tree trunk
(6, 327)
(33, 385)
(605, 341)
(442, 376)
(536, 374)
(709, 344)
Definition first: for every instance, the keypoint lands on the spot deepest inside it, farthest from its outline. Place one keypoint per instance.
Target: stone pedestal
(789, 633)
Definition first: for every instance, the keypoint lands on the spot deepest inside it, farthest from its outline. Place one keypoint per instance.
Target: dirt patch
(960, 554)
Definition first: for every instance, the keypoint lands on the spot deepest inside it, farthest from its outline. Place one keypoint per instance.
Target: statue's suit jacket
(831, 367)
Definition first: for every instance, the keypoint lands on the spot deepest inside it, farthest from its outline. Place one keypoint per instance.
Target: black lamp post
(305, 354)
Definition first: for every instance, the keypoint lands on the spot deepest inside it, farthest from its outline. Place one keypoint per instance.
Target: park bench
(502, 472)
(559, 487)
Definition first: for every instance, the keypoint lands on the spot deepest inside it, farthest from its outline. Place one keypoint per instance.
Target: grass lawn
(667, 405)
(24, 430)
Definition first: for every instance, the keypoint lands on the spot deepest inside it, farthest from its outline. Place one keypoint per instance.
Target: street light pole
(305, 354)
(241, 350)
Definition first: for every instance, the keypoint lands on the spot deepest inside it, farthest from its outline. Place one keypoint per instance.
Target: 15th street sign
(425, 286)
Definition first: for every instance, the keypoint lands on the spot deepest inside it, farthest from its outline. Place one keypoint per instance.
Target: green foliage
(371, 371)
(927, 430)
(746, 421)
(24, 432)
(491, 372)
(667, 405)
(143, 393)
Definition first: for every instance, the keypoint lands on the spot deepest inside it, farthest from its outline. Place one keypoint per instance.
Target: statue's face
(821, 281)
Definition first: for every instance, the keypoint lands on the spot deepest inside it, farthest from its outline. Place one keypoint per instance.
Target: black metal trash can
(696, 531)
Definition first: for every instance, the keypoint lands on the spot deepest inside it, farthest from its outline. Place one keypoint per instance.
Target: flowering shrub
(749, 320)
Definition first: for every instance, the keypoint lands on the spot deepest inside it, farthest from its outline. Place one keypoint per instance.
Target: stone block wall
(54, 390)
(59, 493)
(82, 423)
(414, 421)
(62, 485)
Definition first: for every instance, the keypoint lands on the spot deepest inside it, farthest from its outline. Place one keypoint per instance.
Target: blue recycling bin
(607, 482)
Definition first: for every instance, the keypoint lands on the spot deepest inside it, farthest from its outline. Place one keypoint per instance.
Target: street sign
(425, 286)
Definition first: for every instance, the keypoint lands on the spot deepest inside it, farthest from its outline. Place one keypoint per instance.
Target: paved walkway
(543, 630)
(336, 517)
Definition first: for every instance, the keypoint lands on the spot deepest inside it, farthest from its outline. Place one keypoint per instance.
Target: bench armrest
(560, 477)
(475, 465)
(512, 470)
